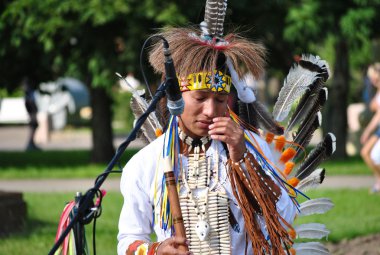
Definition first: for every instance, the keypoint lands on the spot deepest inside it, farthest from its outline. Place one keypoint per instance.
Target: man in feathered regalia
(232, 197)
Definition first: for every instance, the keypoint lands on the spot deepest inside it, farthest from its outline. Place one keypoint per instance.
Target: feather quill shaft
(315, 206)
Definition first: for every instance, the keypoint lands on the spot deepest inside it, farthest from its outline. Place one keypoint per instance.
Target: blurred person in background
(370, 139)
(31, 107)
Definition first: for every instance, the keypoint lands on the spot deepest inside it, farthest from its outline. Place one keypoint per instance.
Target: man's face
(201, 106)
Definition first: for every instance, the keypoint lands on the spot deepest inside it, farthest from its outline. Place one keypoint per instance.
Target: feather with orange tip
(292, 233)
(288, 167)
(292, 251)
(287, 155)
(269, 137)
(312, 181)
(280, 143)
(294, 181)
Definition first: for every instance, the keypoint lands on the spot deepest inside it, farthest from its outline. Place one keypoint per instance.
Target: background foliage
(43, 40)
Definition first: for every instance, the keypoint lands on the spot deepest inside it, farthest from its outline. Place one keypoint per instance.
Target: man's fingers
(170, 246)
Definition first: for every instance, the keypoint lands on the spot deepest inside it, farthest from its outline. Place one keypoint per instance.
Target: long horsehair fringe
(192, 55)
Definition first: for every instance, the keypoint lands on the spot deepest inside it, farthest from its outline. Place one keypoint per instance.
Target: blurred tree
(89, 40)
(350, 25)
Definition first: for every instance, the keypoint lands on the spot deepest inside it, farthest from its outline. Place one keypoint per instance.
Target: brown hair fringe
(190, 54)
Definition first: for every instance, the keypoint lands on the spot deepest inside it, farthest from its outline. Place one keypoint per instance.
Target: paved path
(13, 138)
(112, 184)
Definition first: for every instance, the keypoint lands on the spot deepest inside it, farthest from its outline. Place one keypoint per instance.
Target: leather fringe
(257, 193)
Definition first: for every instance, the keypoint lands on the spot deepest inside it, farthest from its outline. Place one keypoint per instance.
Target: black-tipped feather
(315, 64)
(296, 83)
(313, 180)
(306, 131)
(320, 153)
(265, 119)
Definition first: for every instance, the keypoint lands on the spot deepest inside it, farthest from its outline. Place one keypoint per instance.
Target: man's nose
(210, 108)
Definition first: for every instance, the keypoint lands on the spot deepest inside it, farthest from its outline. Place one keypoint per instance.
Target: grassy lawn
(75, 164)
(355, 214)
(44, 211)
(53, 164)
(350, 166)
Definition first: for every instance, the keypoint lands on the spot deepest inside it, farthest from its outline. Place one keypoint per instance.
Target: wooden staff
(175, 207)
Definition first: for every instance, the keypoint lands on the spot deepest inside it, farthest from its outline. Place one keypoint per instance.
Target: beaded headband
(218, 82)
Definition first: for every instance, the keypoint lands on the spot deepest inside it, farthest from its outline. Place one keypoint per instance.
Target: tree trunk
(102, 136)
(336, 112)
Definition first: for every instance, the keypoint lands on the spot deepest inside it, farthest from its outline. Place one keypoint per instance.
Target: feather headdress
(191, 54)
(303, 91)
(152, 127)
(195, 50)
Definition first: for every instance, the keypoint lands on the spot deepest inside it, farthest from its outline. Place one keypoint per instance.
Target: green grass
(43, 215)
(52, 164)
(356, 213)
(75, 164)
(350, 166)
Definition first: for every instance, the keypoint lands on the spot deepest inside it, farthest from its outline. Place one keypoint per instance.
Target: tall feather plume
(305, 132)
(215, 13)
(320, 153)
(265, 120)
(315, 206)
(312, 231)
(139, 105)
(312, 181)
(296, 83)
(311, 248)
(312, 101)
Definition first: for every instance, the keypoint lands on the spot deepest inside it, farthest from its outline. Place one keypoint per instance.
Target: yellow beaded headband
(203, 80)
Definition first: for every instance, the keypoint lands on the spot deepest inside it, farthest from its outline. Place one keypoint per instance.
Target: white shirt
(139, 184)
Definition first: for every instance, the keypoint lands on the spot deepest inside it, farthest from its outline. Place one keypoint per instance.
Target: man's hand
(171, 247)
(226, 130)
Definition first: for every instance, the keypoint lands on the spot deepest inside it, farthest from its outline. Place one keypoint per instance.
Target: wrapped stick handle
(175, 207)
